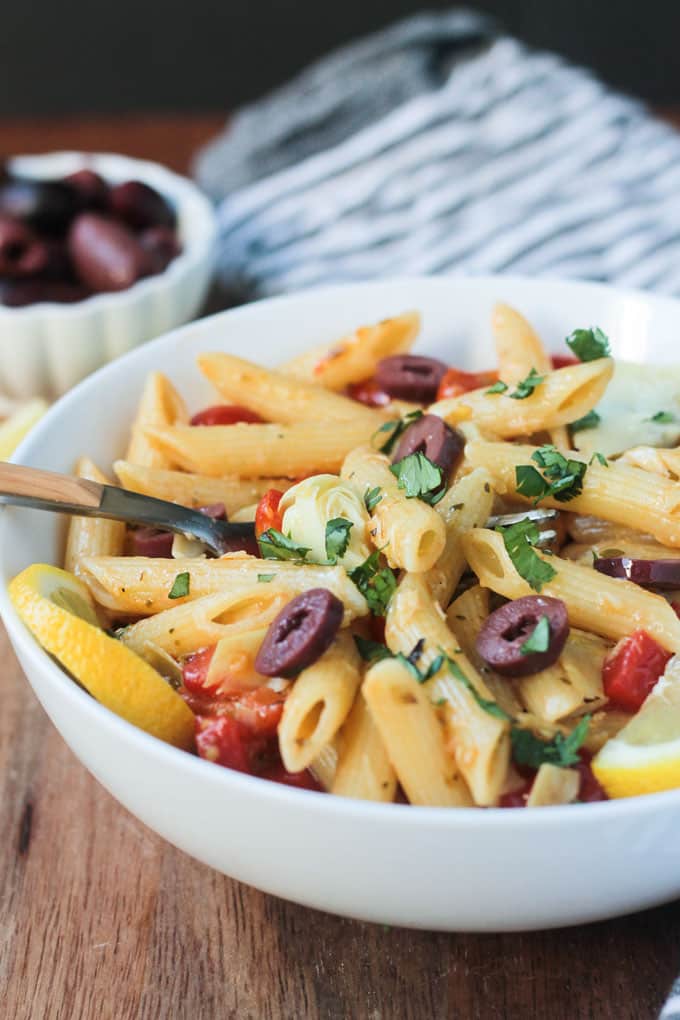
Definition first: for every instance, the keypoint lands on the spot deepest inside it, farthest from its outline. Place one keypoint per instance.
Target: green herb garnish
(275, 546)
(489, 706)
(528, 749)
(562, 478)
(498, 387)
(372, 498)
(663, 418)
(180, 586)
(539, 639)
(600, 458)
(337, 538)
(394, 430)
(375, 584)
(527, 386)
(371, 651)
(589, 344)
(519, 540)
(588, 421)
(265, 578)
(419, 477)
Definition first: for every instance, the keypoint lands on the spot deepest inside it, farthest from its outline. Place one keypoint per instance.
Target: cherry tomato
(456, 382)
(226, 741)
(368, 392)
(589, 790)
(225, 414)
(260, 710)
(302, 780)
(518, 798)
(195, 672)
(563, 360)
(267, 514)
(632, 669)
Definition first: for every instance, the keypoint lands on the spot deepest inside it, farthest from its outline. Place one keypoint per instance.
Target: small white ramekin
(46, 348)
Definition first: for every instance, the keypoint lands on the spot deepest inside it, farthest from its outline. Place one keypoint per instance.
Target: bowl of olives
(98, 253)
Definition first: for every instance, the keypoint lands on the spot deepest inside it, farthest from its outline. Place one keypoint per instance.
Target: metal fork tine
(503, 520)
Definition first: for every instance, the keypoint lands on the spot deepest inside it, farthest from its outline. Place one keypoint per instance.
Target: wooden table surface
(102, 920)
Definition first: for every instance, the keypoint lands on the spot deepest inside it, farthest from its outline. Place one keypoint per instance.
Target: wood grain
(102, 920)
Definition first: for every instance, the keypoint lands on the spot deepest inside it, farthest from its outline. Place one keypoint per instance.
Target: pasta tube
(139, 585)
(355, 357)
(564, 396)
(553, 785)
(479, 740)
(92, 536)
(618, 493)
(604, 605)
(196, 490)
(278, 397)
(255, 450)
(363, 767)
(413, 737)
(319, 703)
(161, 405)
(410, 533)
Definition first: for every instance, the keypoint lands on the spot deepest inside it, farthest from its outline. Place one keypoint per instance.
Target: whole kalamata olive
(32, 291)
(506, 631)
(410, 377)
(47, 206)
(92, 190)
(140, 206)
(647, 573)
(162, 246)
(439, 442)
(106, 255)
(300, 634)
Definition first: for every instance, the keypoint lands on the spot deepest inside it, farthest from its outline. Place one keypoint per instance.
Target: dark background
(81, 56)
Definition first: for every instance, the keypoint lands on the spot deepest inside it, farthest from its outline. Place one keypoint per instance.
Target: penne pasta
(160, 405)
(319, 703)
(618, 493)
(564, 396)
(281, 398)
(411, 534)
(603, 605)
(413, 736)
(363, 767)
(138, 585)
(255, 450)
(196, 490)
(657, 461)
(573, 686)
(92, 536)
(553, 785)
(355, 357)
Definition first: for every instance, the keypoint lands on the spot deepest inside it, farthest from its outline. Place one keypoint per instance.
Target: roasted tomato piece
(225, 414)
(302, 780)
(224, 740)
(456, 382)
(563, 360)
(518, 798)
(260, 710)
(268, 514)
(590, 790)
(632, 669)
(368, 392)
(195, 673)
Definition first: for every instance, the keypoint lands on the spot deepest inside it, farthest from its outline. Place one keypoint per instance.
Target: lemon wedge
(644, 757)
(57, 608)
(14, 428)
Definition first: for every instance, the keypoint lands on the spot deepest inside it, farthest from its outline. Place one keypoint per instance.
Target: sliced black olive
(300, 634)
(506, 631)
(410, 377)
(438, 441)
(647, 573)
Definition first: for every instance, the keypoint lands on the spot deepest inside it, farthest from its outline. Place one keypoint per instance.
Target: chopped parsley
(337, 538)
(498, 387)
(275, 546)
(487, 704)
(600, 458)
(394, 430)
(419, 477)
(527, 385)
(562, 478)
(588, 421)
(371, 651)
(539, 639)
(663, 418)
(589, 344)
(372, 498)
(265, 578)
(180, 586)
(528, 749)
(375, 584)
(519, 540)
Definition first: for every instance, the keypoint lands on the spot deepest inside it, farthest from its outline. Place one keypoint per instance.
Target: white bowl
(437, 868)
(47, 348)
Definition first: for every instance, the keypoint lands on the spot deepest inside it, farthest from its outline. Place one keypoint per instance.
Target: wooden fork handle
(47, 486)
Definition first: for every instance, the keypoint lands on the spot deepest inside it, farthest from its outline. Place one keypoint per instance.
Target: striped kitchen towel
(438, 145)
